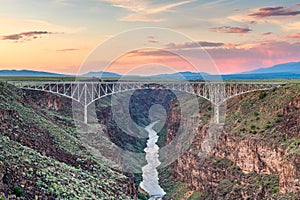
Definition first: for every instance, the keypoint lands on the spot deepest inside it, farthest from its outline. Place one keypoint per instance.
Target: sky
(75, 36)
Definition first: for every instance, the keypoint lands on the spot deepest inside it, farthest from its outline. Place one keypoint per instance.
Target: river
(150, 182)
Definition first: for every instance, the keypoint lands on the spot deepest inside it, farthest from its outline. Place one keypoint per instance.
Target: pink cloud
(261, 55)
(267, 33)
(26, 36)
(229, 58)
(292, 36)
(230, 29)
(197, 44)
(275, 11)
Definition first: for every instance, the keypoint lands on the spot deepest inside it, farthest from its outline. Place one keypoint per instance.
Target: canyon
(255, 154)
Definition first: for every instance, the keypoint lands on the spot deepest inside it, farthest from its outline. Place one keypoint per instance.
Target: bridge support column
(217, 114)
(85, 114)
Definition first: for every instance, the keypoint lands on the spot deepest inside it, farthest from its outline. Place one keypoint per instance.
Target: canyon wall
(257, 155)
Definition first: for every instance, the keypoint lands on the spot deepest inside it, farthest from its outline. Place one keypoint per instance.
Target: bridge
(88, 92)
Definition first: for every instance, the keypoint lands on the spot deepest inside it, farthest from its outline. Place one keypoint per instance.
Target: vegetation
(274, 115)
(41, 157)
(18, 191)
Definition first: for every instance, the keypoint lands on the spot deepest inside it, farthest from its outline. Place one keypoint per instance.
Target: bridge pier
(217, 114)
(85, 114)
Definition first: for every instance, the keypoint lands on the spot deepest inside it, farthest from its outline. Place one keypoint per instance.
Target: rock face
(252, 155)
(41, 156)
(257, 154)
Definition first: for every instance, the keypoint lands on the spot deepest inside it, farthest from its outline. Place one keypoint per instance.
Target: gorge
(256, 157)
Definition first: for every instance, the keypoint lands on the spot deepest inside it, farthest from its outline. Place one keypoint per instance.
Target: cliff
(257, 155)
(41, 156)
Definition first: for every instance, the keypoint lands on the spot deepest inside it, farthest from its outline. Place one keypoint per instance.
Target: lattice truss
(88, 92)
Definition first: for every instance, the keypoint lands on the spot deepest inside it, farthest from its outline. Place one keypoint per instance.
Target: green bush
(18, 191)
(277, 119)
(262, 95)
(242, 129)
(196, 195)
(255, 114)
(77, 167)
(268, 125)
(142, 196)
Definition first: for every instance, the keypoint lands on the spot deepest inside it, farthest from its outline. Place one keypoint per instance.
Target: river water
(150, 182)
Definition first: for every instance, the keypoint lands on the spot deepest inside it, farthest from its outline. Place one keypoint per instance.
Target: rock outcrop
(257, 155)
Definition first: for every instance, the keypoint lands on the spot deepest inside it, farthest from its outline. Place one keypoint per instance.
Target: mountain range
(30, 73)
(289, 70)
(292, 67)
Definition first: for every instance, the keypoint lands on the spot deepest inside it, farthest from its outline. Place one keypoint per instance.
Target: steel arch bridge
(88, 92)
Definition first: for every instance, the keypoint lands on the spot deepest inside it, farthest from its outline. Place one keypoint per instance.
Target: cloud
(192, 45)
(230, 29)
(144, 11)
(62, 3)
(292, 36)
(13, 25)
(229, 59)
(26, 36)
(267, 33)
(151, 39)
(134, 6)
(251, 56)
(292, 26)
(150, 53)
(64, 50)
(274, 11)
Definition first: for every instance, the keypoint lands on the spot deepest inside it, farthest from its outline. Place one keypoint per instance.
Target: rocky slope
(256, 157)
(41, 156)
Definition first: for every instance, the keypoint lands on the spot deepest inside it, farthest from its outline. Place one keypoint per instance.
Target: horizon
(237, 36)
(154, 74)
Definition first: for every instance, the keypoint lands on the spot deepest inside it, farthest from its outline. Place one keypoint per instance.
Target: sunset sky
(59, 35)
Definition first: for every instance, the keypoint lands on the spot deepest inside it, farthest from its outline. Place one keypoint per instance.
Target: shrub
(255, 114)
(277, 119)
(142, 196)
(196, 195)
(262, 95)
(253, 127)
(18, 191)
(274, 190)
(268, 125)
(77, 167)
